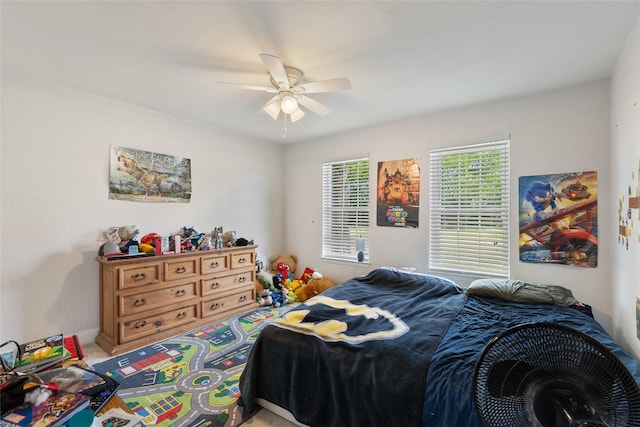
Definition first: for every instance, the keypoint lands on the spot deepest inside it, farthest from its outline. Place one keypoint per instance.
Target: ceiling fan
(290, 91)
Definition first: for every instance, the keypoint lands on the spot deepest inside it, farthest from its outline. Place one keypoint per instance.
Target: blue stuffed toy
(268, 298)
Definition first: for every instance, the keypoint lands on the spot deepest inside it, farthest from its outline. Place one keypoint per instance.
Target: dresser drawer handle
(215, 306)
(182, 315)
(242, 279)
(181, 270)
(141, 324)
(181, 293)
(139, 276)
(243, 298)
(139, 302)
(215, 285)
(242, 260)
(215, 264)
(158, 323)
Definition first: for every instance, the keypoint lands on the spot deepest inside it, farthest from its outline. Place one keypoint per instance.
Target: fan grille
(530, 374)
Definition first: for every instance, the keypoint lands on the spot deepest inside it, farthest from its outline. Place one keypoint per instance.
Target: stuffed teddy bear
(128, 232)
(315, 286)
(288, 259)
(121, 236)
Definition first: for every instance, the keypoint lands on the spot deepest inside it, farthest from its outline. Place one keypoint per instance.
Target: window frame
(342, 221)
(470, 234)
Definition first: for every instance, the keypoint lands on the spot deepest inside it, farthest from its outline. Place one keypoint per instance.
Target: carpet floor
(192, 379)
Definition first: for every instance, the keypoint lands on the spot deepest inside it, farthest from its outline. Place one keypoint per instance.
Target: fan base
(293, 74)
(561, 404)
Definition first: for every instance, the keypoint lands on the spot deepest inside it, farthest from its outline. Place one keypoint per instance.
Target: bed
(396, 349)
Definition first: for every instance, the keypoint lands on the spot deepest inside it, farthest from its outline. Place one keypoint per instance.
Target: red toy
(284, 270)
(306, 275)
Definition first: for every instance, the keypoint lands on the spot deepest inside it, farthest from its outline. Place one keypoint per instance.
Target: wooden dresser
(147, 299)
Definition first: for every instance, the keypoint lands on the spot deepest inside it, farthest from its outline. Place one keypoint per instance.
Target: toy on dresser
(119, 239)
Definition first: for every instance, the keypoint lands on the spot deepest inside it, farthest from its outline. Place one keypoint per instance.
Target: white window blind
(345, 208)
(469, 209)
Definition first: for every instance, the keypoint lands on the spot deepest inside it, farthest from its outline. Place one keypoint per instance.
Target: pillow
(411, 270)
(518, 290)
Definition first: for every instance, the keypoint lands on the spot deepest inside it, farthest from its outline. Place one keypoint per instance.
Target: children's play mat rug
(190, 380)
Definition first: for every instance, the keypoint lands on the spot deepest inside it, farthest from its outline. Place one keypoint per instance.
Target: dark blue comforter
(389, 349)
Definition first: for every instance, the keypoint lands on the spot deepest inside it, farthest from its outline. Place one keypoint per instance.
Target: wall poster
(559, 219)
(145, 176)
(398, 193)
(629, 211)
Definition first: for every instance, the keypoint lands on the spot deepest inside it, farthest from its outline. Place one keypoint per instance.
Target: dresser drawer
(175, 295)
(226, 283)
(179, 269)
(214, 264)
(242, 259)
(145, 300)
(145, 327)
(138, 275)
(220, 305)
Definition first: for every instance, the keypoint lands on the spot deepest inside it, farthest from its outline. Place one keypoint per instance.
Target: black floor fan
(547, 375)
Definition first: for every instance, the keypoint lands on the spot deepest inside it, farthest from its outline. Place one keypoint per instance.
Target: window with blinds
(469, 209)
(345, 208)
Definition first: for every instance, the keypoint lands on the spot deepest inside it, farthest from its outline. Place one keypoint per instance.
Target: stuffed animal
(285, 271)
(316, 285)
(306, 275)
(229, 238)
(121, 236)
(279, 299)
(264, 298)
(291, 287)
(268, 297)
(265, 278)
(128, 232)
(288, 259)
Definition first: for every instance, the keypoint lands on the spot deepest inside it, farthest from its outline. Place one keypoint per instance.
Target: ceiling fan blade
(330, 85)
(296, 115)
(276, 69)
(249, 87)
(272, 107)
(313, 105)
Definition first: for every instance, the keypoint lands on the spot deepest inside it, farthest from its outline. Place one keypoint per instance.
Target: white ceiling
(403, 58)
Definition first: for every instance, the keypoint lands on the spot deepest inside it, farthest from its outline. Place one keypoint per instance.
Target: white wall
(625, 171)
(54, 206)
(54, 177)
(555, 132)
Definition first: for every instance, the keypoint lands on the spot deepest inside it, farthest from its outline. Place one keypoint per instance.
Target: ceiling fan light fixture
(288, 105)
(290, 92)
(273, 109)
(296, 115)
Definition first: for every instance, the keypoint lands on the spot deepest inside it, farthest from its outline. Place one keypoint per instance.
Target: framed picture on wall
(398, 193)
(559, 219)
(145, 176)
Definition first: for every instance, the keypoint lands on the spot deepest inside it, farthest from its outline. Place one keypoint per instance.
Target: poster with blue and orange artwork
(559, 219)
